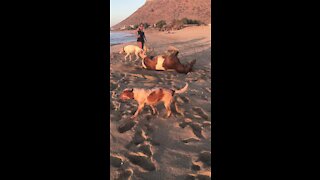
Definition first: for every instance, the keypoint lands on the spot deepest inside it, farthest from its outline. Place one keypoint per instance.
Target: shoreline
(200, 35)
(126, 31)
(121, 43)
(171, 35)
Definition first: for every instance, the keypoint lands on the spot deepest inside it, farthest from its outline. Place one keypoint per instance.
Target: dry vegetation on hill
(155, 10)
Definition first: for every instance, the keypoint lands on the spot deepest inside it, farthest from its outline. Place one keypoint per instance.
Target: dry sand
(152, 146)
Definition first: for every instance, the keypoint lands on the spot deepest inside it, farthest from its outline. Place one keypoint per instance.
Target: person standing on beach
(141, 36)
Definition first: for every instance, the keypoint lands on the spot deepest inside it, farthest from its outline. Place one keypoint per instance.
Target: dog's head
(146, 48)
(143, 54)
(126, 94)
(172, 51)
(121, 51)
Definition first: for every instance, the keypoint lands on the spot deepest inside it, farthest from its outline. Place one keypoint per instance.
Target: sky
(121, 9)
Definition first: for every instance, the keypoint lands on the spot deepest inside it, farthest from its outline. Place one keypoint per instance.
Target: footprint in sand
(151, 78)
(141, 160)
(126, 126)
(115, 105)
(188, 140)
(146, 149)
(168, 77)
(205, 157)
(196, 166)
(125, 175)
(204, 175)
(185, 122)
(191, 115)
(206, 124)
(149, 129)
(115, 116)
(197, 129)
(113, 86)
(201, 112)
(139, 137)
(183, 125)
(191, 177)
(116, 161)
(168, 83)
(154, 142)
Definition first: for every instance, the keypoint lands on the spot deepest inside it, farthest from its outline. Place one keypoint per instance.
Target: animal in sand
(133, 49)
(151, 97)
(169, 61)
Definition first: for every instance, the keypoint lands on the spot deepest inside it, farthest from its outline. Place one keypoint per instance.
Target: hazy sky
(121, 9)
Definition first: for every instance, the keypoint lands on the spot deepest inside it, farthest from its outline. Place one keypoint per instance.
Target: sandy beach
(152, 146)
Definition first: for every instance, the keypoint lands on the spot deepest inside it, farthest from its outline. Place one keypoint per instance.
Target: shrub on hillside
(177, 24)
(146, 25)
(161, 23)
(191, 21)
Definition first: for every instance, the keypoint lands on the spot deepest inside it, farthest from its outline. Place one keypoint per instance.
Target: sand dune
(152, 146)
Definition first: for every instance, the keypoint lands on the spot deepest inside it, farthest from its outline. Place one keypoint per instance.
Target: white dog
(132, 49)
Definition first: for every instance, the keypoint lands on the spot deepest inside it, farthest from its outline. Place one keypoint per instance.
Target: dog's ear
(174, 53)
(128, 89)
(130, 94)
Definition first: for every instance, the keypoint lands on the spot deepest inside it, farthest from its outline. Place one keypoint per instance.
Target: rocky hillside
(155, 10)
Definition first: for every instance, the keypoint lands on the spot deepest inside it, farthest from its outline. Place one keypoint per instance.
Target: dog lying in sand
(170, 61)
(133, 49)
(151, 97)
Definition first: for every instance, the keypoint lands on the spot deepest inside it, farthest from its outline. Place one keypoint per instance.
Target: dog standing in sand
(132, 49)
(151, 97)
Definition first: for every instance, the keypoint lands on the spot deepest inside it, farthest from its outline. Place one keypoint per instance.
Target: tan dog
(151, 97)
(132, 49)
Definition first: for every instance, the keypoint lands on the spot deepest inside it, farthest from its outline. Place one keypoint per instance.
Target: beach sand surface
(152, 146)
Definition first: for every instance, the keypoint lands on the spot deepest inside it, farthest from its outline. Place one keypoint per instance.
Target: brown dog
(166, 62)
(151, 97)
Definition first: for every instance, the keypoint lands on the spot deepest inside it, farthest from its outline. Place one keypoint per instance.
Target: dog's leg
(154, 110)
(182, 69)
(137, 56)
(140, 107)
(167, 105)
(125, 58)
(130, 57)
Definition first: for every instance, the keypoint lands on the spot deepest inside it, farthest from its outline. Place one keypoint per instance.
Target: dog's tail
(184, 89)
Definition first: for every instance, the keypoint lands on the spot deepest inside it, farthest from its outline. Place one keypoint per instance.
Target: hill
(155, 10)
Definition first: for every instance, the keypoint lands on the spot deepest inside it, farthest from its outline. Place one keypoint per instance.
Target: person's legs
(142, 44)
(139, 44)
